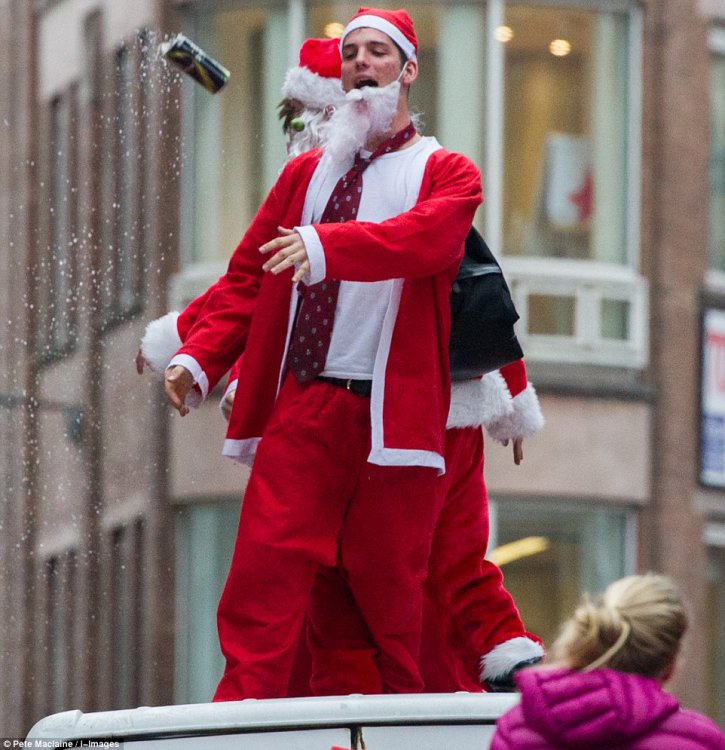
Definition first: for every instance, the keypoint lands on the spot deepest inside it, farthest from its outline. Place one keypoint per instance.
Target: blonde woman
(604, 688)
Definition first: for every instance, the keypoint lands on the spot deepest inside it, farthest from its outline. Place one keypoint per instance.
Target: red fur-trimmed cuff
(515, 376)
(525, 420)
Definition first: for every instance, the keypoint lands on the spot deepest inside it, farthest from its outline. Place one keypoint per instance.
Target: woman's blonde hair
(635, 626)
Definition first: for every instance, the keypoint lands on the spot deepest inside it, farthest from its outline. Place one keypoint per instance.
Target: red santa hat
(397, 24)
(316, 81)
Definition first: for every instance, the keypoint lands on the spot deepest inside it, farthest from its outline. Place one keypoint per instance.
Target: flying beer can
(195, 62)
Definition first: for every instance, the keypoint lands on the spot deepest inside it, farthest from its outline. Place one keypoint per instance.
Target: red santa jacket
(250, 311)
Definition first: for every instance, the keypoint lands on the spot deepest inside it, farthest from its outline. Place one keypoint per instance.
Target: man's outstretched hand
(178, 381)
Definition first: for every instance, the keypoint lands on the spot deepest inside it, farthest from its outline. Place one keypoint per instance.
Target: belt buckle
(348, 383)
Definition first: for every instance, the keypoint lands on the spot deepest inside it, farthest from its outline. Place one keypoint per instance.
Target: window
(717, 153)
(568, 212)
(205, 540)
(565, 141)
(58, 267)
(238, 146)
(126, 599)
(129, 112)
(123, 261)
(550, 554)
(60, 577)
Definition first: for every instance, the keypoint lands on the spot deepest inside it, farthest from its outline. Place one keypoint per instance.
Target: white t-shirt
(391, 185)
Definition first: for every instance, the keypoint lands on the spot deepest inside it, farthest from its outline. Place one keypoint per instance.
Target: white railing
(588, 284)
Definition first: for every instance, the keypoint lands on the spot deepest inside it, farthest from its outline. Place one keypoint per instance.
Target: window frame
(588, 281)
(123, 259)
(60, 231)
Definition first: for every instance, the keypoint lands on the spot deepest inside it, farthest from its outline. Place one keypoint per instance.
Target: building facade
(599, 126)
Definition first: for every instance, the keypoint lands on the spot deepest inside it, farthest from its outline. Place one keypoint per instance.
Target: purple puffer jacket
(564, 710)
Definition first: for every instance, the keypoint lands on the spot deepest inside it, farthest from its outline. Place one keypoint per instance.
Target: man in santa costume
(347, 444)
(468, 592)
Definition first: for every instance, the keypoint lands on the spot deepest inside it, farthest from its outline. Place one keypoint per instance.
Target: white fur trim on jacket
(525, 420)
(160, 342)
(312, 90)
(501, 659)
(479, 402)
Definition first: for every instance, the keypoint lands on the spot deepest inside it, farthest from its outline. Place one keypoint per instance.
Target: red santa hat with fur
(397, 24)
(315, 82)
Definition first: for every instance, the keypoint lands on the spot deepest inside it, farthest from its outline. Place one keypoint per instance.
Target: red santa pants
(311, 486)
(344, 656)
(477, 612)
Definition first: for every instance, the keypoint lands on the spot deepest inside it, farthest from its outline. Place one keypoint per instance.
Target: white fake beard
(316, 123)
(366, 114)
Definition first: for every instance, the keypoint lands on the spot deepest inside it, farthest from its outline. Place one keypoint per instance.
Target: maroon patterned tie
(313, 328)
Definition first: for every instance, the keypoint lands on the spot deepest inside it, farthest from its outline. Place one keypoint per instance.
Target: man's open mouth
(366, 82)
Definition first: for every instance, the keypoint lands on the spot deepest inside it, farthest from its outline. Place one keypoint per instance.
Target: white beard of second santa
(315, 123)
(366, 114)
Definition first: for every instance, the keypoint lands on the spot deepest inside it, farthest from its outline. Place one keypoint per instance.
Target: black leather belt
(358, 387)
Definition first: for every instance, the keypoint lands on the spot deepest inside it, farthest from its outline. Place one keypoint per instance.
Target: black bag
(482, 315)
